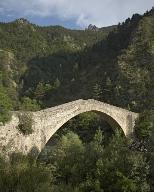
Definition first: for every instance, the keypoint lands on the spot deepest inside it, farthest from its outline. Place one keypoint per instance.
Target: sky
(75, 14)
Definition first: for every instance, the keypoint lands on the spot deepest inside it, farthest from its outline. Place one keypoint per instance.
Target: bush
(25, 123)
(29, 104)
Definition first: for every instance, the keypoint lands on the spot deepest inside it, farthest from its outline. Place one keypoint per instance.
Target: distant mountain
(105, 29)
(108, 29)
(54, 65)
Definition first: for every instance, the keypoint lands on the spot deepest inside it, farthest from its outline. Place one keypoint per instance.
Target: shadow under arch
(103, 116)
(107, 118)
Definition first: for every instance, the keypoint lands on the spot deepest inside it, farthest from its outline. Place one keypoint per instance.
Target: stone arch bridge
(47, 122)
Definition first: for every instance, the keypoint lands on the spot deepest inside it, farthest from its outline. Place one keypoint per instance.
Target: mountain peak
(22, 21)
(93, 27)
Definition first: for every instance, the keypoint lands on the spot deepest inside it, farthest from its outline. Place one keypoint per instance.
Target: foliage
(145, 125)
(100, 164)
(56, 65)
(94, 167)
(5, 106)
(24, 174)
(145, 134)
(25, 123)
(110, 65)
(150, 150)
(29, 104)
(97, 92)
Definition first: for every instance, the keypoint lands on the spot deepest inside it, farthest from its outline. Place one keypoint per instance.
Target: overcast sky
(73, 13)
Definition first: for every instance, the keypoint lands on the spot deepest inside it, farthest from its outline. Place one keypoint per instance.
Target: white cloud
(84, 12)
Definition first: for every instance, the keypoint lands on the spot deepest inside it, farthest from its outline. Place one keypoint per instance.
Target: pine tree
(97, 92)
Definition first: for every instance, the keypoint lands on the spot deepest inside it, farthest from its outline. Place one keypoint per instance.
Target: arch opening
(85, 126)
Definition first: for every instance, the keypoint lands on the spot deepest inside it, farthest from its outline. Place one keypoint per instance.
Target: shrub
(25, 123)
(29, 104)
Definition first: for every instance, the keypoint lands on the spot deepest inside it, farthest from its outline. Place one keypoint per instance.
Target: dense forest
(41, 67)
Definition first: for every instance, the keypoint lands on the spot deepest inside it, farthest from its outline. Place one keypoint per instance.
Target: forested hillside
(43, 52)
(54, 65)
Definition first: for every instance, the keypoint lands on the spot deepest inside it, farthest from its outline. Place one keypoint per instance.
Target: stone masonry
(47, 122)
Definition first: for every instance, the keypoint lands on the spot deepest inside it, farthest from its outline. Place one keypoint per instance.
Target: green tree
(29, 104)
(24, 174)
(150, 150)
(97, 92)
(144, 125)
(69, 156)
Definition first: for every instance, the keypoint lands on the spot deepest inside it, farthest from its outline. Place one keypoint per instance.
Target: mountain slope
(46, 47)
(56, 65)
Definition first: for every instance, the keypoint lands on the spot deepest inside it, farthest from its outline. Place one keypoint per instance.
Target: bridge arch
(47, 122)
(112, 122)
(58, 116)
(109, 122)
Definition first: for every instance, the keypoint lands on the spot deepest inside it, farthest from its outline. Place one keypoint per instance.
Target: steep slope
(136, 65)
(9, 75)
(117, 70)
(56, 65)
(28, 43)
(77, 72)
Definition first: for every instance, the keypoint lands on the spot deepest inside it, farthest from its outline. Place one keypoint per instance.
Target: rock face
(93, 28)
(47, 122)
